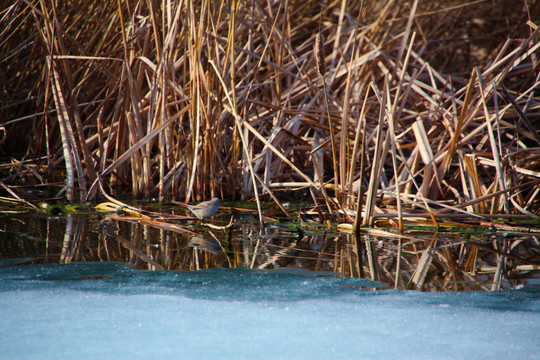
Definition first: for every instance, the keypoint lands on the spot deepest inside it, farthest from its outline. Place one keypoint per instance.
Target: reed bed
(368, 108)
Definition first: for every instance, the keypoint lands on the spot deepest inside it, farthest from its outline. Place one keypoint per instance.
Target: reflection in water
(442, 261)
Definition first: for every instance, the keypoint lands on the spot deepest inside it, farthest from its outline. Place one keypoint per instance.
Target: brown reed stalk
(379, 157)
(358, 220)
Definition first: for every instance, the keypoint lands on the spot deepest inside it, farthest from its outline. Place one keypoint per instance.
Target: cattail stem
(318, 49)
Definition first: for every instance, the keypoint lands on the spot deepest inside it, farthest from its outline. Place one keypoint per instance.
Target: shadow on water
(418, 259)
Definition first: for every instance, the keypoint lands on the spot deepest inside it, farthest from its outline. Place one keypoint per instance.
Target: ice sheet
(108, 311)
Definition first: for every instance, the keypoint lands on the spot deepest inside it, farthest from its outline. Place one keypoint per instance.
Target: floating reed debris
(192, 100)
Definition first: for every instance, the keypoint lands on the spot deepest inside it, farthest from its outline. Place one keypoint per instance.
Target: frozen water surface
(108, 311)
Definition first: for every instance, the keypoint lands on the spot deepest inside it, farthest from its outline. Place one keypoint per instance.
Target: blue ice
(109, 311)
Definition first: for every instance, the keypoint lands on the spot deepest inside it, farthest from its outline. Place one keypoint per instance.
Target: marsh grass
(423, 105)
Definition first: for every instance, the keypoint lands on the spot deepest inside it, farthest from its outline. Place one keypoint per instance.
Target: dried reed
(197, 99)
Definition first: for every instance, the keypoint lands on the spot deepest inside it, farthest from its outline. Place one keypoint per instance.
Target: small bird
(205, 209)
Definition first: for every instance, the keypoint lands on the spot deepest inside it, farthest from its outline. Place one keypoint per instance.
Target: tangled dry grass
(423, 104)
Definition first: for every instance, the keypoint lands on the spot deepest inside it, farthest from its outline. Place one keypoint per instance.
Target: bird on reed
(206, 209)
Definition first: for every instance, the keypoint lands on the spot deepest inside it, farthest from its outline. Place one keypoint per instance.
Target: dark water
(469, 259)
